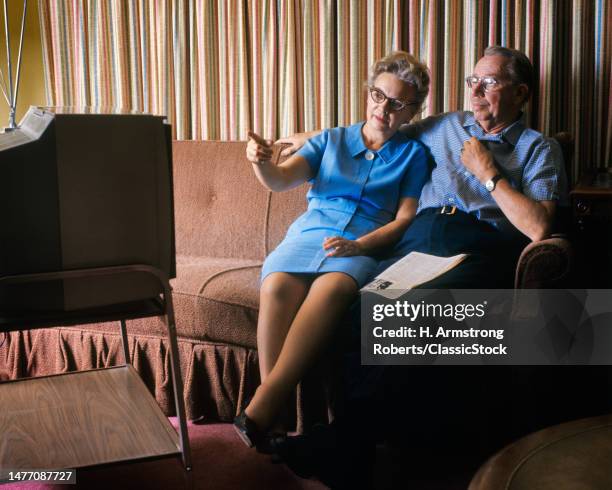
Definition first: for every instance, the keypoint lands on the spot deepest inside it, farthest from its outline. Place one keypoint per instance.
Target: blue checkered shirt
(531, 163)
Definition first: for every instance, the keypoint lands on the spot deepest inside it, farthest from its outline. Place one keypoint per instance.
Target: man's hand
(532, 218)
(259, 150)
(341, 247)
(295, 142)
(478, 160)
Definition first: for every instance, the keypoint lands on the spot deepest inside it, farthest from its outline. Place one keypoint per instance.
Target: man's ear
(522, 93)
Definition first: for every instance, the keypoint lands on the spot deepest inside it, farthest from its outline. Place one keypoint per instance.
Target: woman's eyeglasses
(395, 105)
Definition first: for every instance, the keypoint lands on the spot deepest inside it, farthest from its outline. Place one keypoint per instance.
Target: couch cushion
(219, 299)
(220, 207)
(215, 300)
(284, 208)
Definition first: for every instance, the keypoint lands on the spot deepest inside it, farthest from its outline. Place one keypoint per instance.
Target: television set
(79, 190)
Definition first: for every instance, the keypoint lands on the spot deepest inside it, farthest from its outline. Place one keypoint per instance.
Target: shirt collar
(356, 144)
(511, 134)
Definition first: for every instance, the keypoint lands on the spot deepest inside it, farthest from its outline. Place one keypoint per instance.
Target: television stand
(89, 418)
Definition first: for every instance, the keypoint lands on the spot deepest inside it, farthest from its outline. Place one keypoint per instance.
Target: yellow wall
(32, 82)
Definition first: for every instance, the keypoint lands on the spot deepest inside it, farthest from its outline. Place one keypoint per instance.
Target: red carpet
(220, 462)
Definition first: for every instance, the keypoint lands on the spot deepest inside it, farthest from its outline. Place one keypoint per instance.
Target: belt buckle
(448, 210)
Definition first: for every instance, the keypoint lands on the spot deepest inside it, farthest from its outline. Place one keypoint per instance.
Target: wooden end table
(591, 201)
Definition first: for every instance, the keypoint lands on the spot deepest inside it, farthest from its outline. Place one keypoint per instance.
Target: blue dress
(355, 191)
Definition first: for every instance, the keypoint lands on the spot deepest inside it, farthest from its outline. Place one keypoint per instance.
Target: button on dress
(354, 191)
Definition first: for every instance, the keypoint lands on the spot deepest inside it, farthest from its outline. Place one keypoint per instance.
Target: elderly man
(495, 184)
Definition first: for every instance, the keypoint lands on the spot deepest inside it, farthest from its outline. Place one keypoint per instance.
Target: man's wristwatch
(491, 183)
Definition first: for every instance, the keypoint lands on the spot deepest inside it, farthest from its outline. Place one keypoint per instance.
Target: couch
(226, 223)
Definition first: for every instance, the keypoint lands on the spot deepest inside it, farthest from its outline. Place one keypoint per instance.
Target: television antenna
(10, 93)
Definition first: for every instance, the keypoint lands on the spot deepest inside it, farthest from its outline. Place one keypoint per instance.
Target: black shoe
(271, 444)
(248, 430)
(313, 454)
(296, 453)
(324, 453)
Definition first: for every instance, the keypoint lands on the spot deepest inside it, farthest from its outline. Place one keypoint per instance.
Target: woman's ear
(410, 115)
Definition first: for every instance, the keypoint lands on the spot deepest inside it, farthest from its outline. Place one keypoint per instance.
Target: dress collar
(354, 139)
(356, 144)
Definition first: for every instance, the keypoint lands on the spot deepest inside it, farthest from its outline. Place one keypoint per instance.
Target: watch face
(490, 185)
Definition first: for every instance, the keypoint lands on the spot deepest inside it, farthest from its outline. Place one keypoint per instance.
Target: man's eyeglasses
(489, 83)
(395, 105)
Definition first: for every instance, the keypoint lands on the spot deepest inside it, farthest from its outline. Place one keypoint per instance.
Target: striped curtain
(217, 68)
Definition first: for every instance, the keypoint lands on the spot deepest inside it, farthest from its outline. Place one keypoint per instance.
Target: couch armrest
(545, 264)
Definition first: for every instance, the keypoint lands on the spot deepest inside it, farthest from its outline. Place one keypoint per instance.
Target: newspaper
(414, 269)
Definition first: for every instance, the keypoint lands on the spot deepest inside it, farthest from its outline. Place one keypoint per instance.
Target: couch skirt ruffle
(215, 378)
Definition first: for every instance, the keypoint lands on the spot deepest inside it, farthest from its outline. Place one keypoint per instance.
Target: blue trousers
(492, 256)
(408, 396)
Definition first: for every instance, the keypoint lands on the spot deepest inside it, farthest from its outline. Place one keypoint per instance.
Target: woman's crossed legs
(297, 317)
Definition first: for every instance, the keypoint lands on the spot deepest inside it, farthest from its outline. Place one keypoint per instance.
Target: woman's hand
(259, 150)
(341, 247)
(286, 175)
(295, 142)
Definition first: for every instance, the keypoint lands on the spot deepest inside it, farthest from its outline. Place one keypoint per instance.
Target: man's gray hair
(405, 67)
(519, 68)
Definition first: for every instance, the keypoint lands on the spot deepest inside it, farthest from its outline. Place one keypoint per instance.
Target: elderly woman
(366, 180)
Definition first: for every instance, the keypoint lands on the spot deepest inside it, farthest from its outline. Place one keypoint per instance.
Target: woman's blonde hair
(405, 67)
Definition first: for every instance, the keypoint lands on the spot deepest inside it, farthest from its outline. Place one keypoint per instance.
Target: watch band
(492, 182)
